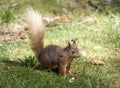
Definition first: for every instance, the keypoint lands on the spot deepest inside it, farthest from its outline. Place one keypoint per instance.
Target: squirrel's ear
(68, 45)
(74, 40)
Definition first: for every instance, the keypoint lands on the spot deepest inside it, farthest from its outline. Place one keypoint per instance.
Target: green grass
(19, 68)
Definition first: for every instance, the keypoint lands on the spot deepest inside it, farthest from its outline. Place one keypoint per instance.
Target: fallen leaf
(97, 62)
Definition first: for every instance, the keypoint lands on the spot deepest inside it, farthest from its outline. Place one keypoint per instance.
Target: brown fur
(53, 56)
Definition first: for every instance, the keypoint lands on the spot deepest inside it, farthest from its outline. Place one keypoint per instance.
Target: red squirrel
(52, 56)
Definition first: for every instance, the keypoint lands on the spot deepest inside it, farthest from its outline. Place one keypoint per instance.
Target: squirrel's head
(72, 48)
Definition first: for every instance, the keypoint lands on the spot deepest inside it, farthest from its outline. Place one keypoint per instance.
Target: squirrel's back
(36, 29)
(51, 56)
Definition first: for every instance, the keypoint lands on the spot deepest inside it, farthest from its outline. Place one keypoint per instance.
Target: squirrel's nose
(78, 55)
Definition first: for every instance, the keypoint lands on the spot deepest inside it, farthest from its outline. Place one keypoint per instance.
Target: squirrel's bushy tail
(36, 29)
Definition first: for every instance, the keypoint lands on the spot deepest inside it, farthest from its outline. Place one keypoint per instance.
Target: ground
(98, 33)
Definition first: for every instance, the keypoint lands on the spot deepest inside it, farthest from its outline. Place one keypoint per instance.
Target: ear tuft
(68, 45)
(74, 40)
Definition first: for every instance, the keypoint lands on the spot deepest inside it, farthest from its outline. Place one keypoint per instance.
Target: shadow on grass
(10, 63)
(29, 61)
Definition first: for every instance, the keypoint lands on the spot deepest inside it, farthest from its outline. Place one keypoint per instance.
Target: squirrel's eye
(73, 51)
